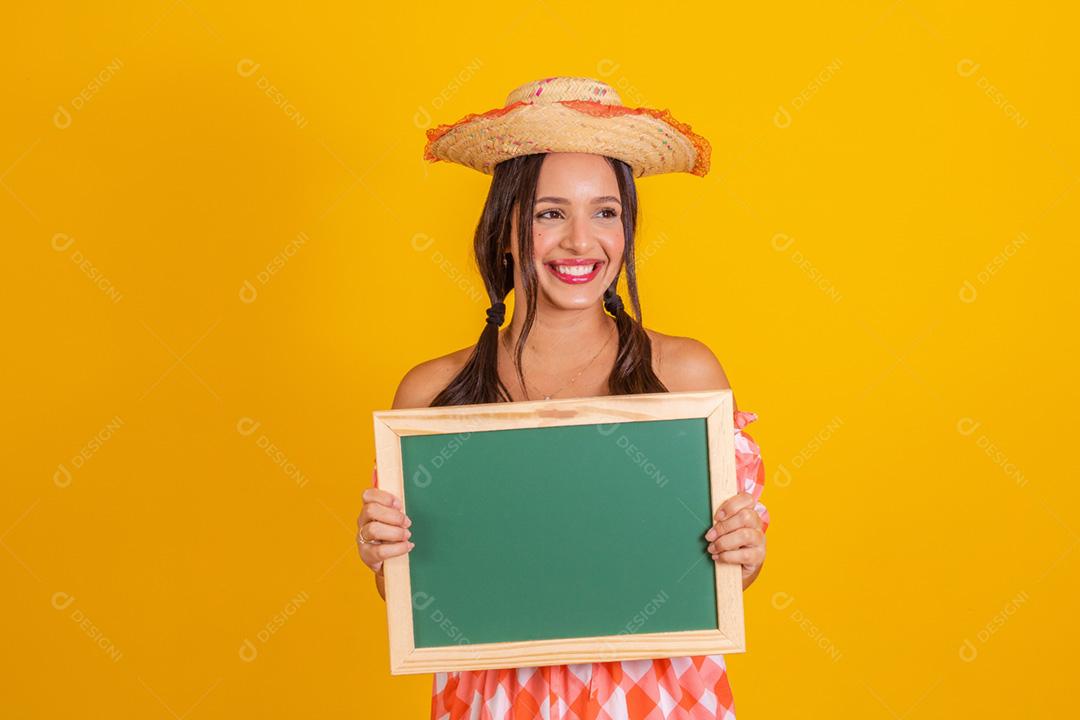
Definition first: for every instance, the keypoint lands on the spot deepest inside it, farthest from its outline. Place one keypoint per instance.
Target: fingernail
(722, 514)
(711, 549)
(711, 535)
(408, 534)
(408, 521)
(411, 546)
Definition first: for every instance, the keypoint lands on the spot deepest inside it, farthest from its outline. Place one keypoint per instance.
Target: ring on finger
(365, 541)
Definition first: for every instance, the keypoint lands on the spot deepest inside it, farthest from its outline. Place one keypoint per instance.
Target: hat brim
(651, 141)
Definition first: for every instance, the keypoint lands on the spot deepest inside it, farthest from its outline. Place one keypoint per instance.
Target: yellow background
(883, 257)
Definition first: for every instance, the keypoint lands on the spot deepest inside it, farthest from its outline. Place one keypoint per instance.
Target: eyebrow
(564, 201)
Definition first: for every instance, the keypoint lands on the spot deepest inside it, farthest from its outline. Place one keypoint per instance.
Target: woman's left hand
(737, 535)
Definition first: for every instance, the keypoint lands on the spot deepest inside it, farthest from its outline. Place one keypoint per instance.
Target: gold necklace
(547, 396)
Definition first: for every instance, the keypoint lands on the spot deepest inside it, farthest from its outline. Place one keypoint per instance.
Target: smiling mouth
(576, 272)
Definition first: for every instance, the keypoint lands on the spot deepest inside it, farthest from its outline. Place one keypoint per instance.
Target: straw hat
(571, 114)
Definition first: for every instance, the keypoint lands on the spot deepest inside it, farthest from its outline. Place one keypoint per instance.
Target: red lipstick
(568, 269)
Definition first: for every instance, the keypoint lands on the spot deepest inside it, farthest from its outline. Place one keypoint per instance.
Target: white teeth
(579, 270)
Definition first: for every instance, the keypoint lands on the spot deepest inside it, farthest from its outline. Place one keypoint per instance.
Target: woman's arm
(383, 514)
(748, 580)
(738, 535)
(380, 583)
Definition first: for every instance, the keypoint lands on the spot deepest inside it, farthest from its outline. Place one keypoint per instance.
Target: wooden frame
(715, 406)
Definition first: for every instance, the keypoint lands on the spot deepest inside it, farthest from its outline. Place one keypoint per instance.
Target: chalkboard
(558, 531)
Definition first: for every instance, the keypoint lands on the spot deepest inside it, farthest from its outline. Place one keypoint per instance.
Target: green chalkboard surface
(559, 532)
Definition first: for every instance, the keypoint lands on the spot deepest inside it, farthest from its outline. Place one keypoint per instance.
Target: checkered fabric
(683, 688)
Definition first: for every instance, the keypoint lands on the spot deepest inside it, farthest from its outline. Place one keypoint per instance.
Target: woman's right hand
(383, 521)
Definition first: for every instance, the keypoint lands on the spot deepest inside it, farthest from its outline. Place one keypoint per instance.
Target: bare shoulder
(685, 364)
(426, 380)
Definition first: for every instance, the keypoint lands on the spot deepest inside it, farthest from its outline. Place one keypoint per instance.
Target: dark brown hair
(514, 184)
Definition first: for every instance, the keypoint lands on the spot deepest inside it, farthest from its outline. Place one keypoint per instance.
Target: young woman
(558, 229)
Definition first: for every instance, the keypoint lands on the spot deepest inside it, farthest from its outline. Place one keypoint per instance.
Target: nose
(577, 238)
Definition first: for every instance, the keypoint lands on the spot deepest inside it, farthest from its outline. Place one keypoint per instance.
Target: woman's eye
(553, 213)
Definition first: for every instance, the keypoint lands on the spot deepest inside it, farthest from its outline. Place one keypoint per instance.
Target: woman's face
(578, 236)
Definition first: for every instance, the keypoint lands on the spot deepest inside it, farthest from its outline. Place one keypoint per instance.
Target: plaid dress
(684, 688)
